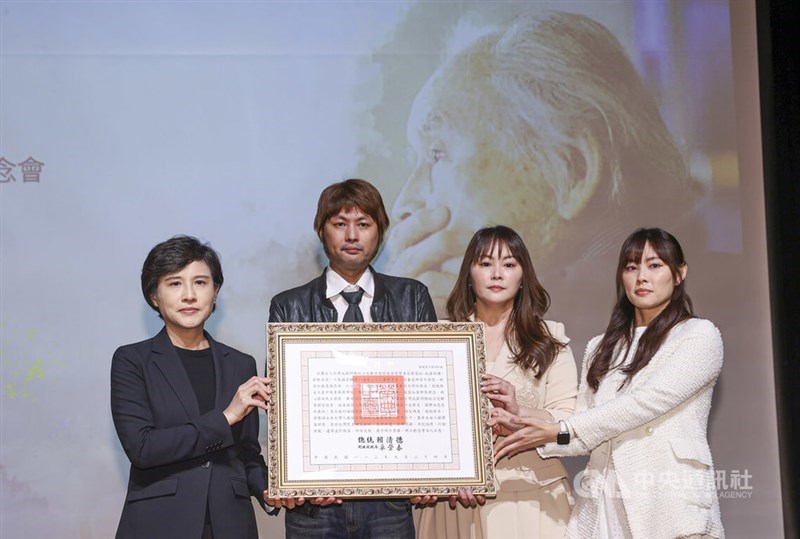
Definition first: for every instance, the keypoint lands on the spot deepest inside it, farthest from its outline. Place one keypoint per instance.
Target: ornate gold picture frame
(377, 410)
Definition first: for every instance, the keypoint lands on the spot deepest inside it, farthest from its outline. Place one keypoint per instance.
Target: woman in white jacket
(642, 408)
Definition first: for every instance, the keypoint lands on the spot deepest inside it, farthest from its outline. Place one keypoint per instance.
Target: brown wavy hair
(530, 341)
(619, 334)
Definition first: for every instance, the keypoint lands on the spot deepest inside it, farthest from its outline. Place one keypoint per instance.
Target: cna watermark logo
(729, 484)
(28, 171)
(734, 484)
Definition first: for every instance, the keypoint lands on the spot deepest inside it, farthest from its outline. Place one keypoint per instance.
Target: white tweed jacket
(655, 431)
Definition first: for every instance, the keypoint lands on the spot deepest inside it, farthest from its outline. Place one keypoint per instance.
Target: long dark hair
(619, 334)
(530, 341)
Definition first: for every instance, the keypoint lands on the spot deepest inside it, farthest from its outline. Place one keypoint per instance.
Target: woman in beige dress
(531, 373)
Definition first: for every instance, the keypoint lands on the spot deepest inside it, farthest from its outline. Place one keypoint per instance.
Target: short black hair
(172, 256)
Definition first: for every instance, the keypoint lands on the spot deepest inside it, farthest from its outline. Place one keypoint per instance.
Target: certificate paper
(364, 410)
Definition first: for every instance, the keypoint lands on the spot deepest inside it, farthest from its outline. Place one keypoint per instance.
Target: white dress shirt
(336, 284)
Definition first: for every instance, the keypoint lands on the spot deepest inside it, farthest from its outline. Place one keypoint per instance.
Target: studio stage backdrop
(125, 123)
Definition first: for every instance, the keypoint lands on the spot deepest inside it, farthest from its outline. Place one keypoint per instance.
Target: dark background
(778, 26)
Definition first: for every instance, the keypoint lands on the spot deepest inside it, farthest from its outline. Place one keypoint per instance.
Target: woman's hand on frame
(254, 393)
(502, 393)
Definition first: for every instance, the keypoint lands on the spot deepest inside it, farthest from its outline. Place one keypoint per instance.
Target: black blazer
(182, 461)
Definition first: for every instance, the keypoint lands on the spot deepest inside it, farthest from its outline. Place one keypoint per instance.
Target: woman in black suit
(182, 404)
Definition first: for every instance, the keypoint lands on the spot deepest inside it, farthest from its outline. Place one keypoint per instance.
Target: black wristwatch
(563, 433)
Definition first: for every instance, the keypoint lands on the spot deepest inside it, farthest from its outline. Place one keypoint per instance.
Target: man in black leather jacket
(396, 300)
(351, 221)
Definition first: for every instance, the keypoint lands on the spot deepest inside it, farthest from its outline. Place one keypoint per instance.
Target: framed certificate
(377, 410)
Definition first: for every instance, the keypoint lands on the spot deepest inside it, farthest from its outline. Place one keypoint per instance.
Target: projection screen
(125, 123)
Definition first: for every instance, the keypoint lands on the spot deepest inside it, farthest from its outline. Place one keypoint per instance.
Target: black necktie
(353, 313)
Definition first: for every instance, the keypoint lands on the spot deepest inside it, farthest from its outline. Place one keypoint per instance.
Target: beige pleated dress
(534, 499)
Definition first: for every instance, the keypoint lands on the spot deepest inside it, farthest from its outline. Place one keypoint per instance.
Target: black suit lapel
(165, 357)
(223, 374)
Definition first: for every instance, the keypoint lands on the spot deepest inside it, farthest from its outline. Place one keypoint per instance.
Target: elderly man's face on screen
(463, 179)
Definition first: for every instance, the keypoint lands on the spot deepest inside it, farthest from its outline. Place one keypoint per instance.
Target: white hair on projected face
(569, 103)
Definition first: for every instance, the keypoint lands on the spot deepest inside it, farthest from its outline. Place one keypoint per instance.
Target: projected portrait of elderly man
(545, 127)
